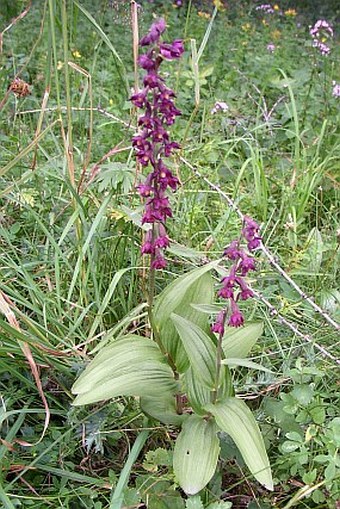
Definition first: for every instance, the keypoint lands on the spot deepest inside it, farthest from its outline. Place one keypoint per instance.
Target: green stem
(219, 352)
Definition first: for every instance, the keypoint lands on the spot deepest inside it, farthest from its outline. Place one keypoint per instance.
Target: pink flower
(159, 262)
(336, 89)
(236, 318)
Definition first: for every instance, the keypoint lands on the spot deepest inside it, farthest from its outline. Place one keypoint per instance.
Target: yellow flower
(276, 7)
(111, 102)
(60, 65)
(276, 34)
(205, 15)
(219, 5)
(265, 22)
(76, 54)
(246, 27)
(291, 12)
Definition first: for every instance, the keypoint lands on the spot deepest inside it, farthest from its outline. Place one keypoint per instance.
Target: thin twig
(100, 110)
(265, 250)
(293, 327)
(13, 22)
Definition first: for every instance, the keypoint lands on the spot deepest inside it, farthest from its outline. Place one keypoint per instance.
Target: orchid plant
(182, 373)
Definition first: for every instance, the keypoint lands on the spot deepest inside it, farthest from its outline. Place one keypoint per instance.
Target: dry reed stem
(6, 308)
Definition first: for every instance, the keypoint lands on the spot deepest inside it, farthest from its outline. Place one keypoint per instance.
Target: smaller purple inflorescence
(321, 32)
(234, 287)
(152, 143)
(266, 8)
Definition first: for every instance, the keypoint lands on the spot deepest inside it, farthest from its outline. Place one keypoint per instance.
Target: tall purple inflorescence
(234, 286)
(153, 142)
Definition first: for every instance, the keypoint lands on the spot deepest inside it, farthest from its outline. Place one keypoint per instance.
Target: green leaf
(220, 505)
(200, 290)
(198, 395)
(195, 454)
(158, 457)
(287, 447)
(162, 408)
(237, 343)
(303, 394)
(132, 366)
(234, 417)
(174, 294)
(232, 363)
(208, 309)
(200, 349)
(194, 502)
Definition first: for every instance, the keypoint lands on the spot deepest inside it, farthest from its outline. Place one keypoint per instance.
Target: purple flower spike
(153, 143)
(234, 286)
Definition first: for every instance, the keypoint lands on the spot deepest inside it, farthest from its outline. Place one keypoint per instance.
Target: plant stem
(218, 359)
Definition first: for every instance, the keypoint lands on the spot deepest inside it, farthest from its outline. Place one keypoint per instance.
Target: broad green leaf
(198, 395)
(162, 408)
(233, 363)
(184, 252)
(195, 454)
(173, 295)
(200, 291)
(132, 366)
(237, 343)
(200, 350)
(234, 417)
(208, 309)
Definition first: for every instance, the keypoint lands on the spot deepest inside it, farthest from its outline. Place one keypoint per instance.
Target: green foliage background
(70, 261)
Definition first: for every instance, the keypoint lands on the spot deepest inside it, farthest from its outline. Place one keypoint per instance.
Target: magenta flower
(236, 318)
(154, 33)
(234, 287)
(218, 326)
(171, 51)
(153, 143)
